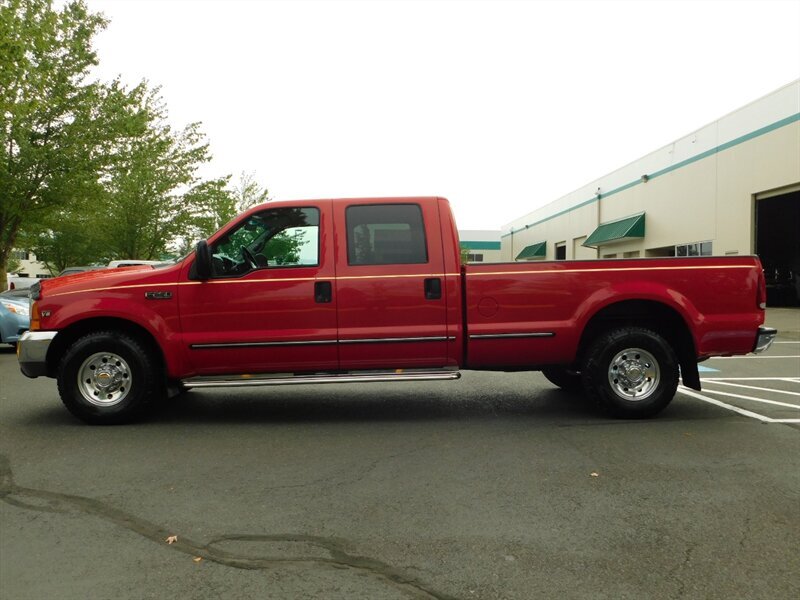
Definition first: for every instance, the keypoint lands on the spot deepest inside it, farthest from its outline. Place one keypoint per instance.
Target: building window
(21, 255)
(662, 251)
(475, 257)
(631, 254)
(561, 251)
(694, 249)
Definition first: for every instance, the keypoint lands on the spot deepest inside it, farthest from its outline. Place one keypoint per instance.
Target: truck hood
(104, 279)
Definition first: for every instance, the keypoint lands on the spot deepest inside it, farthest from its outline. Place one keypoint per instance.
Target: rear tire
(109, 378)
(631, 373)
(567, 379)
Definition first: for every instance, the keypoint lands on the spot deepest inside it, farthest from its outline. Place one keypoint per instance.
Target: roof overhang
(613, 232)
(533, 252)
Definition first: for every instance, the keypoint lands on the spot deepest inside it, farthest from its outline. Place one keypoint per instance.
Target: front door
(269, 305)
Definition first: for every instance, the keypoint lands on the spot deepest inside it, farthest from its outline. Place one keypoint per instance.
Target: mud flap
(690, 376)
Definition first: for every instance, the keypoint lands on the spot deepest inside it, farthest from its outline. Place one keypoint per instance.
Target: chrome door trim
(498, 336)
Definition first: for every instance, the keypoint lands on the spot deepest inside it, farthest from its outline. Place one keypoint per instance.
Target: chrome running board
(291, 379)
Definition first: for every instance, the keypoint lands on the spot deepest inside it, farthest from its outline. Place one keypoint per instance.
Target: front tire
(108, 378)
(631, 373)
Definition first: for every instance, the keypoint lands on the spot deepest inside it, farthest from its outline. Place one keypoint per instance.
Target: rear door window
(386, 234)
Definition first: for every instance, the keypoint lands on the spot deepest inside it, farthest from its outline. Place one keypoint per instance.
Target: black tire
(120, 379)
(567, 379)
(631, 373)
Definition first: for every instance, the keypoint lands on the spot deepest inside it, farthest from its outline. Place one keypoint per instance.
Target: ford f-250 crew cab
(373, 290)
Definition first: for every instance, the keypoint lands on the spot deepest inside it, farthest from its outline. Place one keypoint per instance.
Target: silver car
(15, 318)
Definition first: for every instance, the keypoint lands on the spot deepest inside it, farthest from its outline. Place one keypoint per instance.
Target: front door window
(280, 237)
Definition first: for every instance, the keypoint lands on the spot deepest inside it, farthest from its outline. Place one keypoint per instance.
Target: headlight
(19, 309)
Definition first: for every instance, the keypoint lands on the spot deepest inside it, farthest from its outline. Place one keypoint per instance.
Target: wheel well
(658, 317)
(67, 336)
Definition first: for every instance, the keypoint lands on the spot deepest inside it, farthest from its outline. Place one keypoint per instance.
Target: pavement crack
(336, 556)
(678, 570)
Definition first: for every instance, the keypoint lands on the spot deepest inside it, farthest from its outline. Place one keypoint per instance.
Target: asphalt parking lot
(765, 387)
(494, 486)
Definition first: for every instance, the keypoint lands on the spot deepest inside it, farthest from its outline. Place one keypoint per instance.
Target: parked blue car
(15, 318)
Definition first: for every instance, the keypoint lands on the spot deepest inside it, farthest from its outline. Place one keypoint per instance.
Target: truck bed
(535, 313)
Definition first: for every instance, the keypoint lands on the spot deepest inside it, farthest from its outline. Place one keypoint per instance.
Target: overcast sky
(501, 107)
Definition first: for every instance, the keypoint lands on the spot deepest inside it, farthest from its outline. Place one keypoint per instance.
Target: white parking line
(752, 387)
(736, 409)
(790, 379)
(786, 342)
(719, 403)
(752, 399)
(751, 356)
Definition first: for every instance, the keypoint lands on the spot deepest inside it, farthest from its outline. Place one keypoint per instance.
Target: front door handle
(323, 292)
(433, 288)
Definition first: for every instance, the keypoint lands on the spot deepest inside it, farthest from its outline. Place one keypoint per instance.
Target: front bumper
(32, 350)
(766, 335)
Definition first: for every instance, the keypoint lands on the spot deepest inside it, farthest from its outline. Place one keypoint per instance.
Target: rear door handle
(323, 292)
(433, 288)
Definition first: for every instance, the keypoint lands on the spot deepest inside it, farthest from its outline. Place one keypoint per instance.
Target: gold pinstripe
(548, 272)
(269, 280)
(424, 275)
(116, 287)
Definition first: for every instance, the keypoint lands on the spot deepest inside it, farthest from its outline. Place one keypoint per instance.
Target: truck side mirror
(202, 260)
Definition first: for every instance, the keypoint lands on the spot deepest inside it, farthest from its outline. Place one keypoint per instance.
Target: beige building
(480, 245)
(732, 187)
(28, 265)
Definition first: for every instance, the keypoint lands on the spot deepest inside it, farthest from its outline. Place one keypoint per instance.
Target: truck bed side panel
(534, 314)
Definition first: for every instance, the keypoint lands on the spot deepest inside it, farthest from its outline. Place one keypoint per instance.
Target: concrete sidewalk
(786, 321)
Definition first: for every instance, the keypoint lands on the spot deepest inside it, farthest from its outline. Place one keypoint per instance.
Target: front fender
(159, 318)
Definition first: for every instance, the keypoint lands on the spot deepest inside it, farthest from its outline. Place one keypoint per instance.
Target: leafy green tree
(218, 202)
(67, 237)
(248, 192)
(284, 248)
(58, 129)
(153, 194)
(216, 205)
(13, 267)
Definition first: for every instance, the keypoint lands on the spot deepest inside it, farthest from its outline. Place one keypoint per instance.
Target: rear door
(390, 284)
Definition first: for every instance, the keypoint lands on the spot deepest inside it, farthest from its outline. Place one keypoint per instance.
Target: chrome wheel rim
(634, 374)
(104, 379)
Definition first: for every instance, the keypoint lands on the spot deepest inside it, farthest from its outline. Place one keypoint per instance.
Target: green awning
(617, 231)
(533, 251)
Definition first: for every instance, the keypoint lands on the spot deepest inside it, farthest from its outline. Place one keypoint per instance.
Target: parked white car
(18, 282)
(131, 262)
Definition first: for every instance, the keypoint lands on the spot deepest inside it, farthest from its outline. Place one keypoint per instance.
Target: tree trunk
(7, 240)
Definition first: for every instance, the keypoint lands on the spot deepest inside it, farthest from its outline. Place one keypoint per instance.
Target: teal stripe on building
(467, 245)
(650, 176)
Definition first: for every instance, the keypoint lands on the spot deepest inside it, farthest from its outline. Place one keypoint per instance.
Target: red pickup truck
(374, 290)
